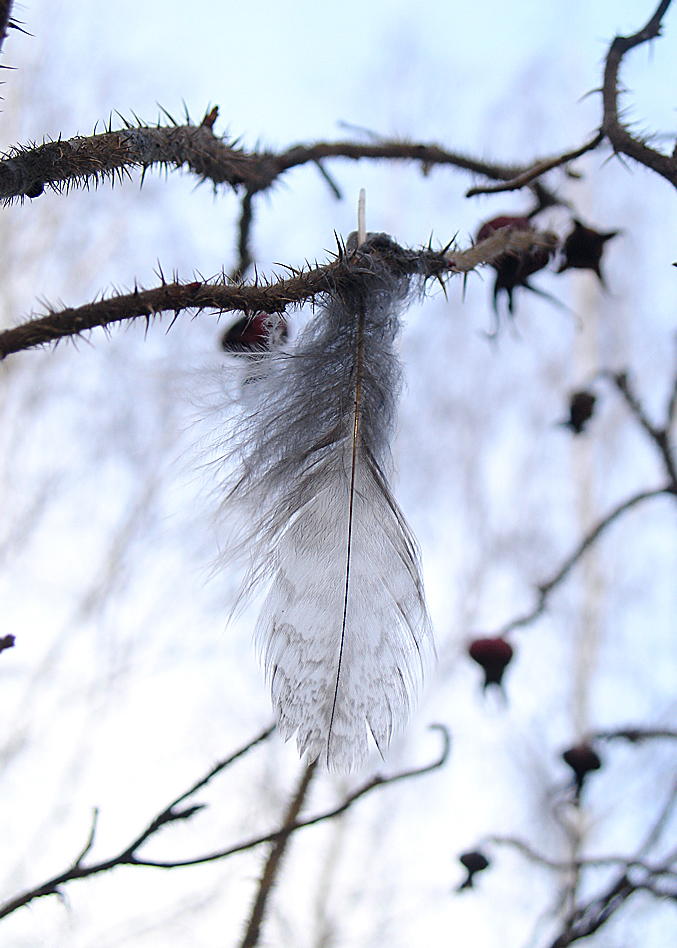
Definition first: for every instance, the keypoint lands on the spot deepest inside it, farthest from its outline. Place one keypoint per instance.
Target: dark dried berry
(583, 249)
(35, 190)
(583, 760)
(493, 655)
(6, 641)
(581, 410)
(474, 862)
(512, 269)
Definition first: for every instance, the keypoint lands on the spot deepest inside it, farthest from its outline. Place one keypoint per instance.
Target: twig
(588, 919)
(634, 734)
(659, 436)
(352, 798)
(128, 856)
(546, 588)
(273, 297)
(566, 865)
(619, 137)
(6, 641)
(537, 169)
(245, 257)
(253, 930)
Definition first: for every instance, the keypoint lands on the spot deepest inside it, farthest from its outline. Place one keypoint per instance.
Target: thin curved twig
(546, 588)
(566, 865)
(618, 135)
(538, 169)
(660, 436)
(169, 815)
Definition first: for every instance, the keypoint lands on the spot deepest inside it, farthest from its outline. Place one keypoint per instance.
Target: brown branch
(567, 865)
(5, 19)
(126, 857)
(372, 784)
(537, 169)
(274, 297)
(87, 160)
(244, 230)
(619, 137)
(253, 930)
(634, 735)
(547, 587)
(659, 436)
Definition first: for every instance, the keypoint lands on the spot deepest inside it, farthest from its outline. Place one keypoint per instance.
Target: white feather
(344, 630)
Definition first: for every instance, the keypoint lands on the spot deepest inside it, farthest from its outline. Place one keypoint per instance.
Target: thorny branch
(619, 137)
(274, 297)
(253, 930)
(129, 857)
(538, 169)
(88, 160)
(5, 19)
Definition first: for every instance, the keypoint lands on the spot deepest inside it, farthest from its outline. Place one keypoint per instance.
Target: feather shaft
(343, 630)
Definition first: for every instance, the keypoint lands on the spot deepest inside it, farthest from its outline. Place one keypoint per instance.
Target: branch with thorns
(271, 297)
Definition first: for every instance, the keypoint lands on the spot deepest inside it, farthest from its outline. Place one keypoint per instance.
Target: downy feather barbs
(344, 631)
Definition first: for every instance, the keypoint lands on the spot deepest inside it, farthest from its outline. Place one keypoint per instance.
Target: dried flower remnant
(494, 656)
(473, 862)
(581, 410)
(583, 249)
(583, 760)
(512, 269)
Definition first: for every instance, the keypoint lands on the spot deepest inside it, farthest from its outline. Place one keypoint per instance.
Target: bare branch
(253, 930)
(634, 735)
(128, 857)
(538, 168)
(547, 587)
(620, 138)
(372, 784)
(245, 257)
(659, 436)
(274, 297)
(566, 865)
(6, 641)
